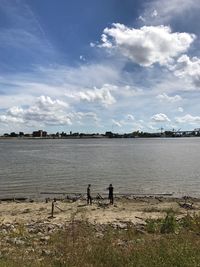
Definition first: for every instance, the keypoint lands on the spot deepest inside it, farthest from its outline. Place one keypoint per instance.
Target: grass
(165, 242)
(163, 210)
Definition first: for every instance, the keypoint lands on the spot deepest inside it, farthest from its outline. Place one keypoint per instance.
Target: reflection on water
(28, 167)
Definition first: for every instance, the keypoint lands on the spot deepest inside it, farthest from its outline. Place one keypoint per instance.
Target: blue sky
(95, 66)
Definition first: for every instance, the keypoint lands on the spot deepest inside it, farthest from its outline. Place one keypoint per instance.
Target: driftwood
(99, 196)
(186, 205)
(139, 218)
(59, 208)
(103, 194)
(103, 205)
(74, 198)
(159, 199)
(53, 206)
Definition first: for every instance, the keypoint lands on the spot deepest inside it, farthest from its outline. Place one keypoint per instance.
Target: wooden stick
(59, 208)
(52, 209)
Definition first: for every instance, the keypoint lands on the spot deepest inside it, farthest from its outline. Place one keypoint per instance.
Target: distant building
(39, 133)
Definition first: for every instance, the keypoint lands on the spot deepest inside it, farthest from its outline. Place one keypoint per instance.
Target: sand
(135, 210)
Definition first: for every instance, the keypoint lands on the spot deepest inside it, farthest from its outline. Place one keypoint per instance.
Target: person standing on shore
(89, 198)
(110, 194)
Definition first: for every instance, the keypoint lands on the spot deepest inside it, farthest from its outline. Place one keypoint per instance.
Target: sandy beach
(135, 210)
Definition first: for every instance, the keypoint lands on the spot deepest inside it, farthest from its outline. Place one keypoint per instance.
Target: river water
(140, 166)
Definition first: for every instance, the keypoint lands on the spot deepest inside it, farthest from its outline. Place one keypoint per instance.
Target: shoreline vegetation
(135, 231)
(40, 134)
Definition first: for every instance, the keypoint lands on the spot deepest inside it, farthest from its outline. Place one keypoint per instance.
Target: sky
(99, 65)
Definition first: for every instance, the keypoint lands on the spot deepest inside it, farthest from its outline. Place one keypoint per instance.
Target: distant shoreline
(94, 137)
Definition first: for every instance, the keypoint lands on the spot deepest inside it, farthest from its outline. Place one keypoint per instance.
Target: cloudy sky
(99, 65)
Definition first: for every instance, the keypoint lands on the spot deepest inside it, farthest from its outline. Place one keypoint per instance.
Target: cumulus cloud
(188, 119)
(46, 103)
(102, 95)
(15, 112)
(147, 45)
(10, 119)
(188, 68)
(45, 110)
(160, 117)
(170, 99)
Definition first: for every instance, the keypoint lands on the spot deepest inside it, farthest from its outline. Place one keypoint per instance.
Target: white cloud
(116, 123)
(171, 99)
(82, 58)
(130, 117)
(147, 45)
(141, 18)
(45, 110)
(15, 111)
(86, 118)
(10, 100)
(188, 119)
(55, 82)
(102, 95)
(188, 68)
(168, 10)
(10, 119)
(129, 122)
(154, 13)
(160, 117)
(129, 91)
(167, 83)
(180, 109)
(92, 44)
(46, 103)
(82, 115)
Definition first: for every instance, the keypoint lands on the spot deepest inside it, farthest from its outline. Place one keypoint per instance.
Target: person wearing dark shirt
(89, 198)
(110, 194)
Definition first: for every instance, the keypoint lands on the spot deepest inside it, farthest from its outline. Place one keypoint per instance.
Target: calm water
(28, 167)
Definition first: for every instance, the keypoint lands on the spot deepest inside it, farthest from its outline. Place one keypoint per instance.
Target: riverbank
(101, 234)
(135, 210)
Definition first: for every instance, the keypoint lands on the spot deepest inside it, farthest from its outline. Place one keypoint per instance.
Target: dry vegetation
(169, 240)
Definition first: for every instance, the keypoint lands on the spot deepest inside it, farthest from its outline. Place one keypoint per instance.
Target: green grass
(166, 242)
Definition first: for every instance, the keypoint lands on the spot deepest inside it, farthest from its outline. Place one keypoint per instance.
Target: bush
(169, 224)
